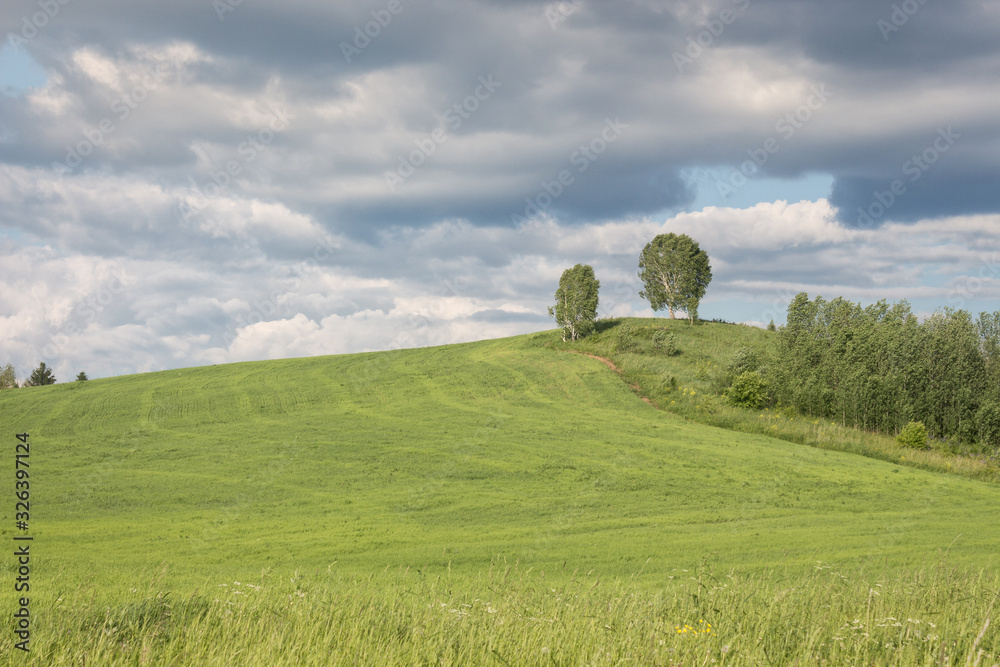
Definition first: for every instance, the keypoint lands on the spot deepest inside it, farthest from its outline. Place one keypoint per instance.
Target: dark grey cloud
(867, 202)
(559, 83)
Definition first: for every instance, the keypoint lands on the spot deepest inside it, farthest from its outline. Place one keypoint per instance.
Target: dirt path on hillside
(610, 364)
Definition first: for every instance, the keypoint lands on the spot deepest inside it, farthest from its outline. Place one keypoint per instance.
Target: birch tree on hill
(675, 273)
(576, 301)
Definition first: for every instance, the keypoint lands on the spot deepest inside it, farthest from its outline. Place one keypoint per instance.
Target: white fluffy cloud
(188, 188)
(440, 285)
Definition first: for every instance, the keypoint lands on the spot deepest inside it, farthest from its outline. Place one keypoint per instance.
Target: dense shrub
(626, 339)
(749, 390)
(744, 360)
(913, 435)
(665, 342)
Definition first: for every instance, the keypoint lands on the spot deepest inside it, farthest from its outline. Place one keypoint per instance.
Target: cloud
(238, 165)
(439, 285)
(220, 82)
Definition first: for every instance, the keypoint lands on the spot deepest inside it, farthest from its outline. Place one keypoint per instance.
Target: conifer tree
(40, 376)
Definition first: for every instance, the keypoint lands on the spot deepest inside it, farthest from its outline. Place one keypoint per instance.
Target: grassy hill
(687, 383)
(309, 477)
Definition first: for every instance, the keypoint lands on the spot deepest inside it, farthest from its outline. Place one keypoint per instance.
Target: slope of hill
(450, 461)
(687, 383)
(448, 455)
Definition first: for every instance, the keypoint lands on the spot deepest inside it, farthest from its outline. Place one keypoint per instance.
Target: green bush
(625, 338)
(749, 390)
(744, 360)
(665, 342)
(913, 435)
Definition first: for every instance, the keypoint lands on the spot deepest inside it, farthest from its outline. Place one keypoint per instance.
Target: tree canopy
(8, 378)
(675, 272)
(40, 376)
(576, 301)
(879, 368)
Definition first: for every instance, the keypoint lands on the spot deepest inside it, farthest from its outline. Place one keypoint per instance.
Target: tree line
(879, 368)
(40, 376)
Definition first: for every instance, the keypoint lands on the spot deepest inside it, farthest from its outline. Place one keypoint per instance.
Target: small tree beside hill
(665, 342)
(576, 302)
(749, 390)
(913, 435)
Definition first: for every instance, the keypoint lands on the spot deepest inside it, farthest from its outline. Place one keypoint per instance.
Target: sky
(209, 181)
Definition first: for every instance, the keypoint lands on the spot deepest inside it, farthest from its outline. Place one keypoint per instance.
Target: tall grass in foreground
(936, 616)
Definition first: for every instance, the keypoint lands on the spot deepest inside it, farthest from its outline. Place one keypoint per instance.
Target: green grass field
(375, 508)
